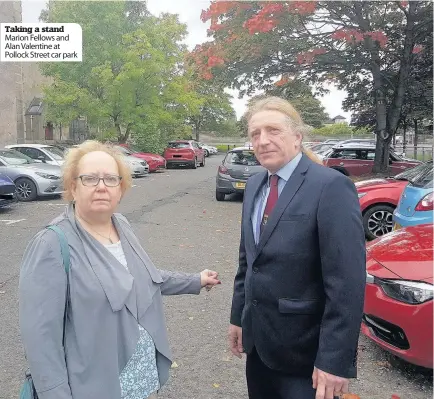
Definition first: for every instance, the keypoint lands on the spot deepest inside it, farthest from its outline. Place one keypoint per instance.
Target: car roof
(354, 146)
(241, 149)
(29, 145)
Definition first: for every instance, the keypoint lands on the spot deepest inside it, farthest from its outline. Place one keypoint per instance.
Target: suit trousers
(265, 383)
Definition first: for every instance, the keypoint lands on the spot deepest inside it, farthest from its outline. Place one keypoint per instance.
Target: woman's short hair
(74, 155)
(283, 106)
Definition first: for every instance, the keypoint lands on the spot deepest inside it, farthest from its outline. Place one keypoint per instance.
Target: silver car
(32, 179)
(40, 152)
(139, 167)
(238, 165)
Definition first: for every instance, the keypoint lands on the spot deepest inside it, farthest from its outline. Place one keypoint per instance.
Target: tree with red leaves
(352, 44)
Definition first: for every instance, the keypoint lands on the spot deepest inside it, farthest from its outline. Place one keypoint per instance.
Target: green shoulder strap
(64, 250)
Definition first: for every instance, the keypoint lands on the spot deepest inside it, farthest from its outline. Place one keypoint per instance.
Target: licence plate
(240, 185)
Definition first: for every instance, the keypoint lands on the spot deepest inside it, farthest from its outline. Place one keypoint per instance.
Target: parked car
(238, 165)
(321, 148)
(416, 202)
(398, 309)
(209, 149)
(154, 161)
(358, 160)
(32, 179)
(378, 199)
(41, 152)
(138, 167)
(184, 153)
(7, 191)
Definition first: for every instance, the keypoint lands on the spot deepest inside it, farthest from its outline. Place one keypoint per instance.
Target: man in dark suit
(299, 290)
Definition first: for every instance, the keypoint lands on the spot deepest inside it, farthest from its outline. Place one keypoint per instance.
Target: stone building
(21, 96)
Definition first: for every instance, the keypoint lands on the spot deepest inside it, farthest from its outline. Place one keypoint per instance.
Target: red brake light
(426, 203)
(223, 170)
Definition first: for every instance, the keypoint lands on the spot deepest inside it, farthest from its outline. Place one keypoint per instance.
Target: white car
(139, 167)
(209, 149)
(40, 153)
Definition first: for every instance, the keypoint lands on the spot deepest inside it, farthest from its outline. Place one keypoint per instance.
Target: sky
(189, 13)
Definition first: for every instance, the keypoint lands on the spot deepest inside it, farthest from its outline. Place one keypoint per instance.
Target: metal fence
(422, 152)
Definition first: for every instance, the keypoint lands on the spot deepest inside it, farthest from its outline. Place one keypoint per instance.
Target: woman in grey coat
(116, 343)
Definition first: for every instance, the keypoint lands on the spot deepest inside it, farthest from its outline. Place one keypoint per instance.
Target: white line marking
(9, 221)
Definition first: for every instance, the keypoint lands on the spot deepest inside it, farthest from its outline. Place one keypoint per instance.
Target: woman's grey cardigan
(106, 305)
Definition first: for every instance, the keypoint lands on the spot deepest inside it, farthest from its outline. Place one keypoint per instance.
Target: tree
(131, 59)
(357, 45)
(299, 94)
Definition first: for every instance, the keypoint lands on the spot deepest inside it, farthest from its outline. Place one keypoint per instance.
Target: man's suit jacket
(298, 293)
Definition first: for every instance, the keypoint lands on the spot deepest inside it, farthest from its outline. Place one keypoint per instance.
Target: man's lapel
(257, 184)
(288, 193)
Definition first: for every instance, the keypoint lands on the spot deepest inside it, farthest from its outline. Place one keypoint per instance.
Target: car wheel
(342, 170)
(219, 196)
(25, 189)
(378, 221)
(203, 162)
(194, 164)
(206, 153)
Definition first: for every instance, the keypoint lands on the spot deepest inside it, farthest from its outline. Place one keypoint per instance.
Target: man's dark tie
(271, 200)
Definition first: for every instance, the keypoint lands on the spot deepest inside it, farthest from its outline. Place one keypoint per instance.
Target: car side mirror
(41, 158)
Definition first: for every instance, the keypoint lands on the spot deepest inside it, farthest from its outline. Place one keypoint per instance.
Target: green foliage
(224, 147)
(340, 130)
(130, 83)
(369, 49)
(299, 94)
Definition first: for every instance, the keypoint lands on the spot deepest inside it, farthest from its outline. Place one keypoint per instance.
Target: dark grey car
(239, 164)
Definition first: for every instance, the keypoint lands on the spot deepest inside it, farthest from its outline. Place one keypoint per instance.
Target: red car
(184, 153)
(398, 310)
(155, 161)
(358, 160)
(378, 199)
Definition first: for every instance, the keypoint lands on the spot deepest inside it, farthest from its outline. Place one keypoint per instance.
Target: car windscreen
(245, 158)
(123, 150)
(55, 153)
(12, 157)
(424, 179)
(178, 145)
(411, 173)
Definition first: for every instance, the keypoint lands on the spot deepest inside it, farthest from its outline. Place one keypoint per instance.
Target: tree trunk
(404, 137)
(196, 132)
(416, 128)
(381, 163)
(122, 137)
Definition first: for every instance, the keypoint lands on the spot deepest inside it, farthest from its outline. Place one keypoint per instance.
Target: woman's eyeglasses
(92, 181)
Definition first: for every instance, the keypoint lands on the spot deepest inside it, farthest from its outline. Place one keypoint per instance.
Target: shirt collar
(286, 171)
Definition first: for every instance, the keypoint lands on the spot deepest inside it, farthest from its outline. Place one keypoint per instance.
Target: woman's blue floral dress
(139, 378)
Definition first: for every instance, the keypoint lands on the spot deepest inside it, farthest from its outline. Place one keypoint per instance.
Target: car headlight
(410, 292)
(369, 278)
(48, 176)
(360, 195)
